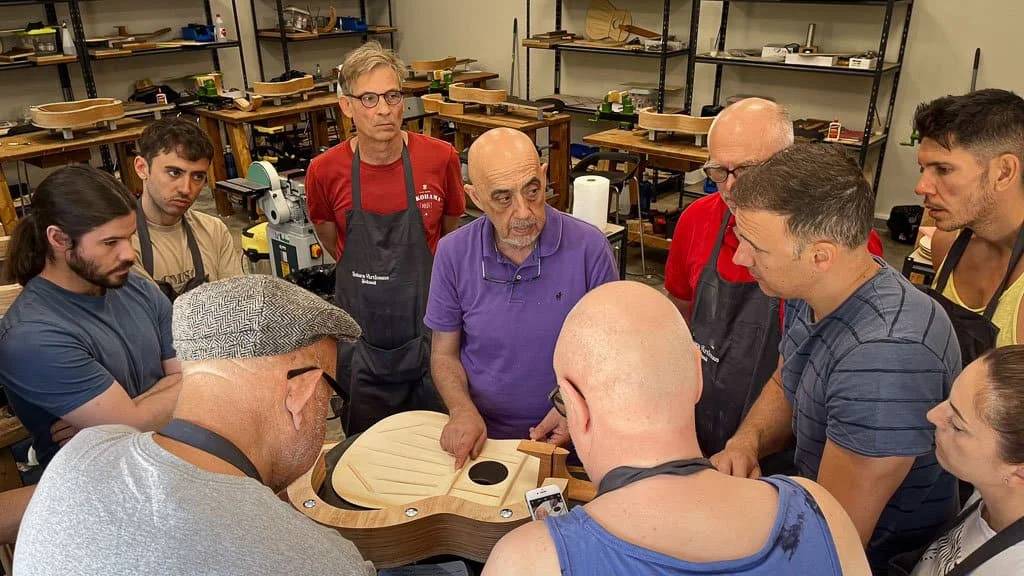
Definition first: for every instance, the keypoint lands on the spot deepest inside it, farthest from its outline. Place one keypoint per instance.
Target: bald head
(497, 151)
(630, 354)
(756, 122)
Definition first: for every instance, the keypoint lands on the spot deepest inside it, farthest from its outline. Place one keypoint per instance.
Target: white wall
(940, 50)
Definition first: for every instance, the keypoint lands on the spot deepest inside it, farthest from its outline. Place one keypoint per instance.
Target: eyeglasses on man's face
(719, 174)
(371, 99)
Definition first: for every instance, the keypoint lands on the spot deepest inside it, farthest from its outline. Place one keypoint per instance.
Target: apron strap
(1018, 249)
(721, 238)
(410, 186)
(212, 443)
(623, 475)
(146, 244)
(1007, 537)
(953, 258)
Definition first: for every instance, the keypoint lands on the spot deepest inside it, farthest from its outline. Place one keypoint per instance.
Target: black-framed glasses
(371, 99)
(341, 392)
(515, 279)
(718, 174)
(555, 397)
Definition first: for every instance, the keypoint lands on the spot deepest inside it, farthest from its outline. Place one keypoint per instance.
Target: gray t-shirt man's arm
(114, 502)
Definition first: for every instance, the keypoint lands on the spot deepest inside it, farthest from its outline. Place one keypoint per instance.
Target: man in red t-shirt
(735, 325)
(380, 202)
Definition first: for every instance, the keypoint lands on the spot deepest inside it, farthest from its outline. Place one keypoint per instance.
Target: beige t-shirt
(172, 261)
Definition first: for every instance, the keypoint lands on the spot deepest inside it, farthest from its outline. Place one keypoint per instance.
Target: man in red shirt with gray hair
(736, 326)
(380, 201)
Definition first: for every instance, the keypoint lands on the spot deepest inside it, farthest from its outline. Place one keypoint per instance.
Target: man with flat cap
(199, 495)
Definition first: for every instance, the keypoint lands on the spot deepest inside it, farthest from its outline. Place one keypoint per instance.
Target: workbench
(472, 124)
(45, 150)
(471, 79)
(670, 153)
(234, 122)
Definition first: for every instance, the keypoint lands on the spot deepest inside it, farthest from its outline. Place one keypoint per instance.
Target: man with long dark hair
(87, 341)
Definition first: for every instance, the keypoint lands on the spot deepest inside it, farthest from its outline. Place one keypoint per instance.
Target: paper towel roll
(590, 200)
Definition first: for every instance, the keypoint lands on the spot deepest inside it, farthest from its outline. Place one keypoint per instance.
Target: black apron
(146, 247)
(737, 329)
(975, 332)
(903, 564)
(625, 475)
(382, 281)
(212, 443)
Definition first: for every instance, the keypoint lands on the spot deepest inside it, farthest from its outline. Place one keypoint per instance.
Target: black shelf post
(892, 95)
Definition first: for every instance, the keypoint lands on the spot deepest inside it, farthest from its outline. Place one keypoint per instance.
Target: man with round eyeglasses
(380, 201)
(735, 325)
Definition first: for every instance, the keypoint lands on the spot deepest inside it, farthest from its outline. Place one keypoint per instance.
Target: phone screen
(547, 505)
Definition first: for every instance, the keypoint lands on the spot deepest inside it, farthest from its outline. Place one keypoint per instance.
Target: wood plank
(22, 146)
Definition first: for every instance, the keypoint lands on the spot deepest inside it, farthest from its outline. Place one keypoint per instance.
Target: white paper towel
(590, 200)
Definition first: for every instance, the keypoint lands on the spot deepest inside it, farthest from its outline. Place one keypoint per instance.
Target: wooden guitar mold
(420, 505)
(681, 123)
(431, 65)
(459, 92)
(436, 103)
(77, 114)
(281, 89)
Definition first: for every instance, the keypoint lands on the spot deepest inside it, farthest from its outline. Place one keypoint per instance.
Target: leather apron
(382, 280)
(737, 329)
(975, 332)
(146, 247)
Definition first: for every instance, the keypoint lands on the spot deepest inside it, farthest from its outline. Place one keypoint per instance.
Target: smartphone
(546, 501)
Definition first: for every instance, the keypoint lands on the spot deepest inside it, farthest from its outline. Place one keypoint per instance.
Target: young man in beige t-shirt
(174, 156)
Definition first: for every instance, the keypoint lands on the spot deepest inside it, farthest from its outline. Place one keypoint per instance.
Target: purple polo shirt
(509, 330)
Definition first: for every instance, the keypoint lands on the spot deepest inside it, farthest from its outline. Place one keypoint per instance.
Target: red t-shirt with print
(436, 174)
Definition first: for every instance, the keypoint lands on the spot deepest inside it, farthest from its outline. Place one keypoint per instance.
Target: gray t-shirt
(864, 377)
(114, 502)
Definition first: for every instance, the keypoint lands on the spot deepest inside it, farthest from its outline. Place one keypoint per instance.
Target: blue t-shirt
(864, 377)
(59, 349)
(800, 542)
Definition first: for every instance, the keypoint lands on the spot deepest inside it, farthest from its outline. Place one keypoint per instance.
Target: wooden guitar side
(77, 114)
(680, 123)
(287, 88)
(459, 92)
(391, 537)
(436, 103)
(431, 65)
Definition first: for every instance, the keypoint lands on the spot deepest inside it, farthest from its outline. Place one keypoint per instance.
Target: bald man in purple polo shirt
(500, 289)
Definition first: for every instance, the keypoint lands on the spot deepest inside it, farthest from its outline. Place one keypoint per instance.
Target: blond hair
(364, 59)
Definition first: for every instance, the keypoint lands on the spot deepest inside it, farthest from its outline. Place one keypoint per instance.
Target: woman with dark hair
(980, 439)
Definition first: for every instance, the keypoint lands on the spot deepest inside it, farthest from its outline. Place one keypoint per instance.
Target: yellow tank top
(1005, 316)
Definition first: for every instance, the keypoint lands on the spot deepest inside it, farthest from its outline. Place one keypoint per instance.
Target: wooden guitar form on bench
(65, 117)
(414, 504)
(697, 126)
(493, 102)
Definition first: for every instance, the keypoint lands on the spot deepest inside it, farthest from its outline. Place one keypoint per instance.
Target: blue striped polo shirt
(864, 377)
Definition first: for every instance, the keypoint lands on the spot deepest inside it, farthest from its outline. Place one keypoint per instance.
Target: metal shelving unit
(51, 20)
(881, 71)
(662, 55)
(284, 39)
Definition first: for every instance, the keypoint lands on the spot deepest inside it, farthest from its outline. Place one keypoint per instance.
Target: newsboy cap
(252, 316)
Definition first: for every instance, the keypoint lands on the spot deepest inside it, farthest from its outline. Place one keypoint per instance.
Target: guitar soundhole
(488, 473)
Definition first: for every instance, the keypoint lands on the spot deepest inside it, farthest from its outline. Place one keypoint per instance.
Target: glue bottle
(66, 43)
(229, 163)
(222, 32)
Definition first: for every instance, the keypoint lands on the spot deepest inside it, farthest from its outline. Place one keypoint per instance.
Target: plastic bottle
(222, 32)
(67, 44)
(229, 163)
(316, 73)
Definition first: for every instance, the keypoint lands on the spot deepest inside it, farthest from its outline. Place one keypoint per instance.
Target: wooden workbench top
(636, 141)
(42, 143)
(268, 110)
(421, 86)
(506, 120)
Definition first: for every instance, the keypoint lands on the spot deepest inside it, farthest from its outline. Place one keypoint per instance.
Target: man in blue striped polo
(864, 354)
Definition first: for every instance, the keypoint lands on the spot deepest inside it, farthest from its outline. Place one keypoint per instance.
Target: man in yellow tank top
(972, 178)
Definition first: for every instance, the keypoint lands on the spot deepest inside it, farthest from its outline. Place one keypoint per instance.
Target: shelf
(177, 49)
(29, 64)
(617, 51)
(755, 62)
(839, 2)
(276, 35)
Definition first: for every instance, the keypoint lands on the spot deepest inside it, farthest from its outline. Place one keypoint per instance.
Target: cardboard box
(863, 63)
(812, 59)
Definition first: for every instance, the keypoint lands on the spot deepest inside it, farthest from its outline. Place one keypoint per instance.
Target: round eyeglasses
(371, 99)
